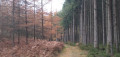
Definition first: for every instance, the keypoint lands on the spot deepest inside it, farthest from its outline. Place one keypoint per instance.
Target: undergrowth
(71, 44)
(94, 52)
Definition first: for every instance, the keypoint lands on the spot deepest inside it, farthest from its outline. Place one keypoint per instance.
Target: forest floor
(72, 51)
(38, 48)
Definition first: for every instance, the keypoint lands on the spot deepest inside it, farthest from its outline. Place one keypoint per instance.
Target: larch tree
(0, 15)
(42, 19)
(13, 24)
(26, 21)
(19, 15)
(51, 22)
(34, 20)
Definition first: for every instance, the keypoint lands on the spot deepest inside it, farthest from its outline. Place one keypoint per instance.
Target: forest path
(72, 51)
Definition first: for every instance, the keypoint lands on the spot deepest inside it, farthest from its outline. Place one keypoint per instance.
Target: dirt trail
(72, 51)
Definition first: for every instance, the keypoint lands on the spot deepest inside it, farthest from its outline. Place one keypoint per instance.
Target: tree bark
(18, 24)
(42, 19)
(103, 22)
(84, 24)
(34, 21)
(115, 25)
(13, 22)
(109, 34)
(73, 28)
(81, 24)
(95, 25)
(26, 21)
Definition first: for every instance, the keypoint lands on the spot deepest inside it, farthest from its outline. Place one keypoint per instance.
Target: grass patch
(117, 55)
(85, 47)
(71, 44)
(101, 52)
(93, 52)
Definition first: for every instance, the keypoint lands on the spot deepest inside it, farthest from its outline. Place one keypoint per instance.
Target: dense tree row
(92, 22)
(27, 18)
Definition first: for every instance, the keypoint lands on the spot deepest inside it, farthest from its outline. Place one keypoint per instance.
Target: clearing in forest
(72, 51)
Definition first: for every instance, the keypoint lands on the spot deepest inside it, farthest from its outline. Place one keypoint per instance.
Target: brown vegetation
(39, 48)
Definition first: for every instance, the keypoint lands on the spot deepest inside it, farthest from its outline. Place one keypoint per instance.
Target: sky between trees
(56, 5)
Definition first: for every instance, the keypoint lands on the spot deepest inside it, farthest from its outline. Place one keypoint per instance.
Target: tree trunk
(13, 22)
(84, 24)
(51, 22)
(42, 19)
(34, 21)
(26, 21)
(73, 28)
(0, 17)
(115, 25)
(109, 34)
(18, 24)
(103, 22)
(95, 25)
(81, 24)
